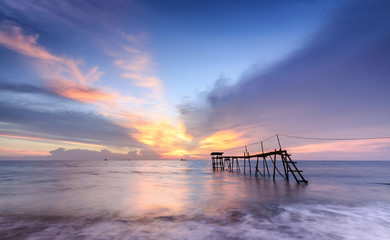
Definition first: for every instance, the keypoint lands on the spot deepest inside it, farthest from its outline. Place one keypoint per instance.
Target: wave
(312, 221)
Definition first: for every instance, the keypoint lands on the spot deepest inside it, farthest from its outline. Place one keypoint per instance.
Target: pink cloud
(343, 146)
(13, 37)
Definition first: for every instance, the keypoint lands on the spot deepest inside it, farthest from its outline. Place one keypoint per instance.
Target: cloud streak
(37, 113)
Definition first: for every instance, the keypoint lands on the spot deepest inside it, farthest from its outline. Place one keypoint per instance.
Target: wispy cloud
(13, 37)
(137, 64)
(63, 74)
(78, 15)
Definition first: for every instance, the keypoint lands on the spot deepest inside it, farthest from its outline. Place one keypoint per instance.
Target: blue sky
(172, 79)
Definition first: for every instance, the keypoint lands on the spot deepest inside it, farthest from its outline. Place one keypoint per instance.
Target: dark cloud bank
(61, 123)
(84, 154)
(339, 80)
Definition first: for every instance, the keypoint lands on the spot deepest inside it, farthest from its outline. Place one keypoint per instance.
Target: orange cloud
(222, 140)
(80, 92)
(161, 133)
(170, 140)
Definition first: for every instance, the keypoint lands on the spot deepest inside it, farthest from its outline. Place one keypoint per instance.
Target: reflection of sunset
(157, 190)
(151, 195)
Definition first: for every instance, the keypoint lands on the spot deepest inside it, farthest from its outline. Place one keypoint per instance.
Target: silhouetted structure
(231, 163)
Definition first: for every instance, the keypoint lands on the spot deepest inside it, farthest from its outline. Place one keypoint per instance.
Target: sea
(172, 199)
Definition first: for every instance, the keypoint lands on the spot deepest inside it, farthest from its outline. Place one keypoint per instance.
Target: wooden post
(249, 160)
(280, 146)
(266, 165)
(273, 176)
(284, 165)
(264, 161)
(244, 164)
(274, 164)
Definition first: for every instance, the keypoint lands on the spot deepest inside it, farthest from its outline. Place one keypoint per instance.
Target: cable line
(261, 141)
(310, 138)
(335, 139)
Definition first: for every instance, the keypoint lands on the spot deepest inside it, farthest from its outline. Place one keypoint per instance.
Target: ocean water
(188, 200)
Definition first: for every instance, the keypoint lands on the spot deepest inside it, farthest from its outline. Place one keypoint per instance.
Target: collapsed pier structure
(265, 163)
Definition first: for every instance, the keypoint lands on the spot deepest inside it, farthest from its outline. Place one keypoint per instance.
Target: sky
(132, 79)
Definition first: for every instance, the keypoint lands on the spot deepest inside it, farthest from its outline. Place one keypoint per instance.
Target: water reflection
(129, 188)
(187, 200)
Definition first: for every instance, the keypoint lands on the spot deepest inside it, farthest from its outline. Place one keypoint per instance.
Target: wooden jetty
(232, 163)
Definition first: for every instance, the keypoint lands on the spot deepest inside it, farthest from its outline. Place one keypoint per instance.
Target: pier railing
(265, 163)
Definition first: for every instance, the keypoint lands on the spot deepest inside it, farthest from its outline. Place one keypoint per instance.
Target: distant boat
(183, 159)
(105, 159)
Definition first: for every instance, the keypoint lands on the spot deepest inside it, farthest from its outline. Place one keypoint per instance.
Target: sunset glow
(223, 140)
(163, 82)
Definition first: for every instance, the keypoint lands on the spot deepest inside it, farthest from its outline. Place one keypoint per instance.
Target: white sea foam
(282, 222)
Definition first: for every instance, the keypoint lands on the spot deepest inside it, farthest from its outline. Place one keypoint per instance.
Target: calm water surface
(188, 200)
